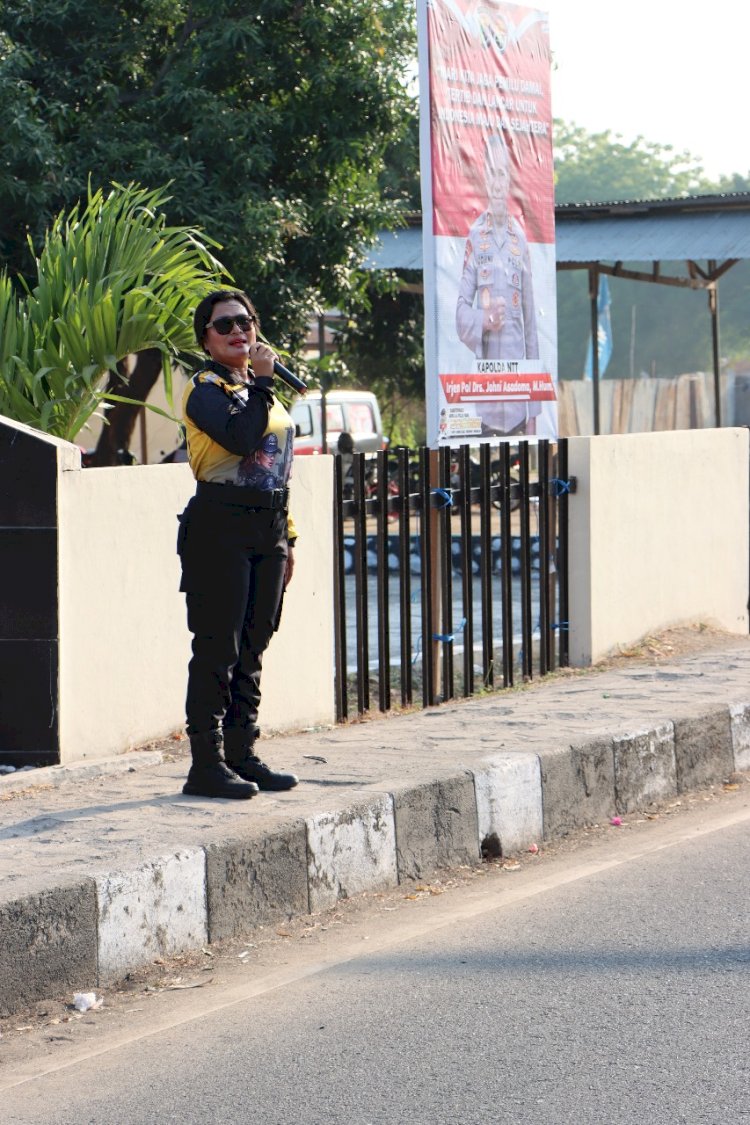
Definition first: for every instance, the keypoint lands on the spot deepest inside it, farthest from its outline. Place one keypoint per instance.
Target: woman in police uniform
(236, 545)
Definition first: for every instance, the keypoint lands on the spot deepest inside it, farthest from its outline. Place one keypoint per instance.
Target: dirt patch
(674, 644)
(657, 649)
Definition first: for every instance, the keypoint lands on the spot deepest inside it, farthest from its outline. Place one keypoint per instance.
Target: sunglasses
(224, 324)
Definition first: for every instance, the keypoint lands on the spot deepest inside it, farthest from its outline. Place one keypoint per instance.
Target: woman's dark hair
(204, 312)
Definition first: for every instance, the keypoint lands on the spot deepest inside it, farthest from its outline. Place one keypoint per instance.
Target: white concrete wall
(124, 644)
(658, 535)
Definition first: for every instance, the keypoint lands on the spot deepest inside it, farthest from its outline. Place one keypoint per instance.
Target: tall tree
(601, 167)
(382, 342)
(268, 120)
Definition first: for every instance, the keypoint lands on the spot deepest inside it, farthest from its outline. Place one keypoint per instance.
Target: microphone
(289, 377)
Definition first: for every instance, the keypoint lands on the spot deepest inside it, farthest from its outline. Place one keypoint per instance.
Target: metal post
(527, 625)
(506, 567)
(342, 698)
(323, 404)
(563, 554)
(360, 585)
(436, 570)
(467, 589)
(426, 579)
(446, 571)
(404, 578)
(545, 609)
(594, 299)
(713, 304)
(384, 648)
(485, 566)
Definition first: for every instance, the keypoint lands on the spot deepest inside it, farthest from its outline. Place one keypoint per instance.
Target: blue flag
(604, 331)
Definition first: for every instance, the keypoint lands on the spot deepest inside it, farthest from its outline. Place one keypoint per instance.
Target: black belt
(277, 498)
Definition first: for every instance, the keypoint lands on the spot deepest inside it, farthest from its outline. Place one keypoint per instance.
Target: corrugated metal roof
(697, 228)
(719, 201)
(396, 250)
(653, 237)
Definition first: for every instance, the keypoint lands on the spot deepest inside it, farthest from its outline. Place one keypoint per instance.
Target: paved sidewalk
(106, 866)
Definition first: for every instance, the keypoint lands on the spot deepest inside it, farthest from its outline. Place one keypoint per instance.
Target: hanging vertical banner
(489, 221)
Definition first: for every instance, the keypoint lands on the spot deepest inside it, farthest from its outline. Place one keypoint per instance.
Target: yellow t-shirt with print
(267, 467)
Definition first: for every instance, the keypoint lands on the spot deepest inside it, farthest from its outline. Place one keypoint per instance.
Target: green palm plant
(112, 279)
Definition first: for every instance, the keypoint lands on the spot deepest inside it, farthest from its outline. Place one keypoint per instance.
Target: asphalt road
(605, 982)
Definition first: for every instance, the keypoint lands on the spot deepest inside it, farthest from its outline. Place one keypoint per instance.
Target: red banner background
(489, 73)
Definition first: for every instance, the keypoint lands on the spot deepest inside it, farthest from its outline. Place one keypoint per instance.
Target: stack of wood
(630, 406)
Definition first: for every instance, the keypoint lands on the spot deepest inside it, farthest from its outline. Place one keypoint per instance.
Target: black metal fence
(451, 572)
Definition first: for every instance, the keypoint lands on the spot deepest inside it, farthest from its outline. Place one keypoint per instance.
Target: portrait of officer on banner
(495, 314)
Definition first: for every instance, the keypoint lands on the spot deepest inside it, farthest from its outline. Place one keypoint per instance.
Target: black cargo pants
(233, 568)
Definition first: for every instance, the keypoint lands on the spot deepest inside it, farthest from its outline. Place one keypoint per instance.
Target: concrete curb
(94, 930)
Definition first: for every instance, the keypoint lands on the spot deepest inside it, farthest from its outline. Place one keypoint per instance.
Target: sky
(672, 72)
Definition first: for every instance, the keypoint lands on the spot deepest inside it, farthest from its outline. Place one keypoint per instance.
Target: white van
(347, 412)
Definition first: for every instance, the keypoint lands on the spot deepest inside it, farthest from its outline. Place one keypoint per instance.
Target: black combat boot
(209, 774)
(239, 744)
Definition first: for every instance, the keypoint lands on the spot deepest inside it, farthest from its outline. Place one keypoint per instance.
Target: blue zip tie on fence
(563, 626)
(562, 486)
(446, 495)
(448, 638)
